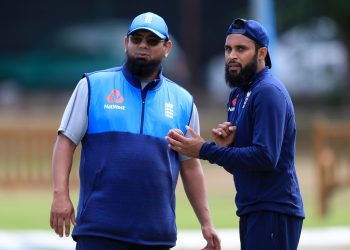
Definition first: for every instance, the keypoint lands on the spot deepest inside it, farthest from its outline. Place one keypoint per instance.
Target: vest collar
(133, 80)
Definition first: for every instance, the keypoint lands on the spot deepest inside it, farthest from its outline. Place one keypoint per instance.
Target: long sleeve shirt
(261, 157)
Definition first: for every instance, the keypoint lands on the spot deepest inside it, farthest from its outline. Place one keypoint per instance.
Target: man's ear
(262, 53)
(126, 42)
(168, 46)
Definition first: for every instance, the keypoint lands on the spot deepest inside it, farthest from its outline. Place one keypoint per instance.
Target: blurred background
(46, 46)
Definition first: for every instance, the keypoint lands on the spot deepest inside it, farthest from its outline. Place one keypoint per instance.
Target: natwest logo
(233, 104)
(115, 97)
(234, 101)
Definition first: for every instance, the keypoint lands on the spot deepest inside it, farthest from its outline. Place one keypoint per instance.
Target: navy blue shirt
(261, 157)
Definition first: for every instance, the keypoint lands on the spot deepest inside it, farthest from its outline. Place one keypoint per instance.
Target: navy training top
(261, 158)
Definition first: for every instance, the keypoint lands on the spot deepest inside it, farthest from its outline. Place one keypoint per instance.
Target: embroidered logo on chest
(233, 104)
(169, 110)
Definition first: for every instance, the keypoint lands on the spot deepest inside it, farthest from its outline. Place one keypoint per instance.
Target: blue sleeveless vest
(128, 174)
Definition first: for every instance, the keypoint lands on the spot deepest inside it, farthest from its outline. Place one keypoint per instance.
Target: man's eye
(152, 41)
(136, 39)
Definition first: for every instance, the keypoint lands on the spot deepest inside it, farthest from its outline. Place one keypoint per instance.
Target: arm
(72, 128)
(262, 151)
(227, 157)
(269, 119)
(62, 210)
(193, 180)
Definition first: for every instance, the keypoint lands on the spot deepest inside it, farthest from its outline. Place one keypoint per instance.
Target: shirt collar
(260, 74)
(256, 78)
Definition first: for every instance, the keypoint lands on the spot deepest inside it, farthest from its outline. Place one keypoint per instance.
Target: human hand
(212, 238)
(184, 145)
(224, 134)
(62, 214)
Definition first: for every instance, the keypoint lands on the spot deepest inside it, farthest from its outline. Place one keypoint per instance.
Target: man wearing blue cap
(256, 144)
(128, 174)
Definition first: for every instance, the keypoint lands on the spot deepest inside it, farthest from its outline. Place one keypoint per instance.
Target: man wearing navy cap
(256, 144)
(128, 174)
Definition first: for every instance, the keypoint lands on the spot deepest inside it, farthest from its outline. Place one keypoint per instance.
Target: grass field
(29, 208)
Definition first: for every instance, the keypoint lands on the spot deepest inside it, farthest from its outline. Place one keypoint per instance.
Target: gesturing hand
(184, 145)
(224, 134)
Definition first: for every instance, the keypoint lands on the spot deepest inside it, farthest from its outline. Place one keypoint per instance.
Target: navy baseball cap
(152, 22)
(253, 30)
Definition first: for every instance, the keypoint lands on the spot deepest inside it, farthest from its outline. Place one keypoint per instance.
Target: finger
(224, 132)
(224, 125)
(176, 146)
(216, 132)
(227, 123)
(232, 128)
(176, 130)
(176, 136)
(224, 128)
(72, 219)
(54, 222)
(191, 132)
(59, 227)
(67, 226)
(210, 243)
(173, 142)
(217, 243)
(51, 220)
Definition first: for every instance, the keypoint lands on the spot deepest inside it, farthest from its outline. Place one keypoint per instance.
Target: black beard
(241, 80)
(142, 68)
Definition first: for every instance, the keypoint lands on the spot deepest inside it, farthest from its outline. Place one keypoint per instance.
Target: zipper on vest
(143, 96)
(144, 91)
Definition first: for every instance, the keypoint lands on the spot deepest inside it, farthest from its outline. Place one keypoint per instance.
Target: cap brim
(161, 36)
(268, 60)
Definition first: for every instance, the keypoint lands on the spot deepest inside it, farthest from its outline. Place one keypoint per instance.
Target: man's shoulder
(270, 82)
(104, 71)
(273, 88)
(176, 86)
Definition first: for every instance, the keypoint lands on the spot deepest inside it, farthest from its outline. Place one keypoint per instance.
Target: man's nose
(144, 42)
(231, 56)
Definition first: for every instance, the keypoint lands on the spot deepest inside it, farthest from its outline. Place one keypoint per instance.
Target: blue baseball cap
(152, 22)
(253, 30)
